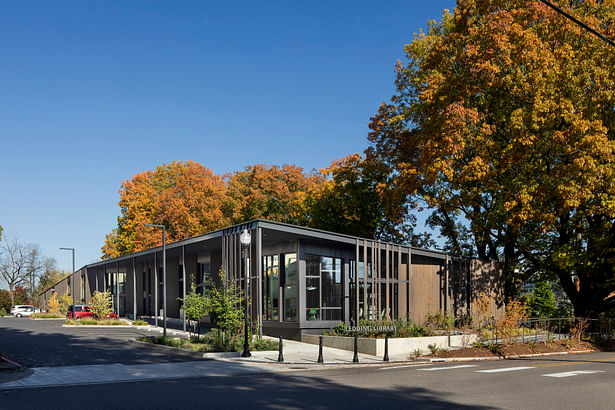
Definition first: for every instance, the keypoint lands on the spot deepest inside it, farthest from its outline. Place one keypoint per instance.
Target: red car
(85, 312)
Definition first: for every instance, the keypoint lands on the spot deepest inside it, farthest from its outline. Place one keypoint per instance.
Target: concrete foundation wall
(375, 347)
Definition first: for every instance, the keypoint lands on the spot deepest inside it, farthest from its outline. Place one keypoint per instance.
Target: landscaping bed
(517, 349)
(92, 322)
(210, 343)
(48, 316)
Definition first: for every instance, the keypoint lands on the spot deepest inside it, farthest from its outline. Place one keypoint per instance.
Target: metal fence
(547, 329)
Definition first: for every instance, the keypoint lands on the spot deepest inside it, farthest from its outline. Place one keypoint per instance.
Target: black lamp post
(164, 276)
(73, 278)
(245, 239)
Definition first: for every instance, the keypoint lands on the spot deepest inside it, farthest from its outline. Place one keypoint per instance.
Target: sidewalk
(294, 352)
(297, 356)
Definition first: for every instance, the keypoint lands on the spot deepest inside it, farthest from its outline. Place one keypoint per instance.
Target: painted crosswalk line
(573, 373)
(504, 369)
(462, 366)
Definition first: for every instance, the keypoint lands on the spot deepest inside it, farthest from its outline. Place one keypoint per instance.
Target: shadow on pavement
(237, 392)
(71, 347)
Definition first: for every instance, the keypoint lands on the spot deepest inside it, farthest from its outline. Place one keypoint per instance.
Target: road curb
(7, 364)
(516, 356)
(100, 326)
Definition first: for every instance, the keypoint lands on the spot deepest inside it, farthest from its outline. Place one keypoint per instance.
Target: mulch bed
(555, 346)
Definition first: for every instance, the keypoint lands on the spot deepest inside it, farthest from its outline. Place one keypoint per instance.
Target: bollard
(386, 348)
(320, 359)
(280, 354)
(355, 358)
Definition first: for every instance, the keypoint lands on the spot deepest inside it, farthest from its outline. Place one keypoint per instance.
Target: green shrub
(139, 323)
(495, 348)
(403, 328)
(433, 348)
(3, 312)
(438, 321)
(213, 342)
(224, 304)
(259, 344)
(194, 308)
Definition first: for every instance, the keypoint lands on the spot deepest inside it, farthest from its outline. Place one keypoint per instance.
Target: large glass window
(82, 288)
(323, 288)
(290, 287)
(180, 285)
(121, 281)
(271, 287)
(365, 310)
(312, 287)
(203, 273)
(331, 274)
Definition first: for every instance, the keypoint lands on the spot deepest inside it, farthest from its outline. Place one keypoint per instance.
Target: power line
(580, 23)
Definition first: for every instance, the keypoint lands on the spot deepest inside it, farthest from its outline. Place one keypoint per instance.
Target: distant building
(300, 279)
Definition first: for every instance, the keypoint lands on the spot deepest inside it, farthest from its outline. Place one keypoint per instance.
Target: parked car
(85, 312)
(23, 310)
(79, 312)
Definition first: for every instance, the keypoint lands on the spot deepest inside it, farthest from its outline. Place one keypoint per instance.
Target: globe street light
(73, 278)
(245, 240)
(164, 276)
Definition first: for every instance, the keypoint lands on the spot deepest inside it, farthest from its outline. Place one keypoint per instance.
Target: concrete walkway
(297, 356)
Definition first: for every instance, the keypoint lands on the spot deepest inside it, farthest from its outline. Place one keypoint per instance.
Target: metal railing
(548, 329)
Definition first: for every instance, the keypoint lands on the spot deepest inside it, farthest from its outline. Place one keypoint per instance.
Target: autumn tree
(101, 305)
(503, 122)
(270, 192)
(65, 301)
(54, 304)
(356, 199)
(50, 277)
(5, 300)
(188, 198)
(20, 296)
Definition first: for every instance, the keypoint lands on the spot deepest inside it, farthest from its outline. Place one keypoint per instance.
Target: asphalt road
(583, 382)
(44, 343)
(579, 381)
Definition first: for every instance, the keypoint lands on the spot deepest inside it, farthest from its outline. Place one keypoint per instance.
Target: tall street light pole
(73, 278)
(245, 240)
(164, 276)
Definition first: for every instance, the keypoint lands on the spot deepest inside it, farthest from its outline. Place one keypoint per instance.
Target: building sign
(374, 329)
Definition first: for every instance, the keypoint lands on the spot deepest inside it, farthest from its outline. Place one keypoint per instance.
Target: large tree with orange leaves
(503, 122)
(271, 192)
(186, 197)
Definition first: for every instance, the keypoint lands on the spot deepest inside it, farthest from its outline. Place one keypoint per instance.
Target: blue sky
(94, 92)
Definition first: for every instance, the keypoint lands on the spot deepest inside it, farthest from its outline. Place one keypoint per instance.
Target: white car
(23, 310)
